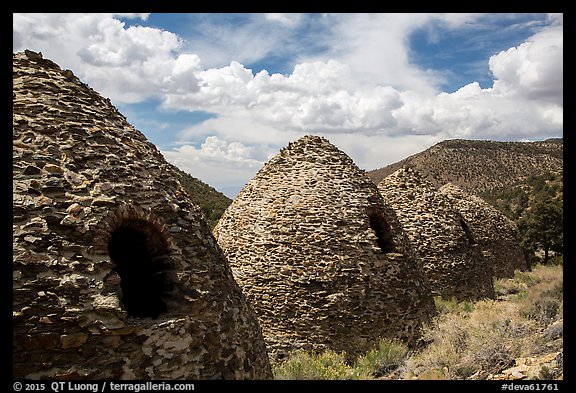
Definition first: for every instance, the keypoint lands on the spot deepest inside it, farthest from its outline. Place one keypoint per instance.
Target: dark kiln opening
(467, 231)
(134, 249)
(383, 233)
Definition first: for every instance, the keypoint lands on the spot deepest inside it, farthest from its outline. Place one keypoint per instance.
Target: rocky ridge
(480, 166)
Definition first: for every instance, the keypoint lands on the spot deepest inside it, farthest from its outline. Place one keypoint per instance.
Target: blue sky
(219, 94)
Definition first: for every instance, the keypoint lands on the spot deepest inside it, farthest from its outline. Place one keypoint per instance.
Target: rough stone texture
(495, 233)
(301, 238)
(451, 257)
(86, 184)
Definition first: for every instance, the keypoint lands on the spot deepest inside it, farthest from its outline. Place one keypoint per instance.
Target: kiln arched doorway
(141, 280)
(383, 232)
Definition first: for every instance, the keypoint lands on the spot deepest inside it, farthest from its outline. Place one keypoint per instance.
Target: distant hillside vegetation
(536, 205)
(211, 201)
(481, 166)
(513, 201)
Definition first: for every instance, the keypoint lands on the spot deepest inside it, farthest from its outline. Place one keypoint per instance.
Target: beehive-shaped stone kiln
(322, 260)
(115, 272)
(451, 256)
(495, 233)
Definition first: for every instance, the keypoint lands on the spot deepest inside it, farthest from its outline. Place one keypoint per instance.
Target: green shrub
(452, 305)
(544, 306)
(301, 365)
(510, 286)
(527, 278)
(380, 361)
(557, 260)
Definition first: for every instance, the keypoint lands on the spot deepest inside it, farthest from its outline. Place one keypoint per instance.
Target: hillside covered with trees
(536, 205)
(211, 201)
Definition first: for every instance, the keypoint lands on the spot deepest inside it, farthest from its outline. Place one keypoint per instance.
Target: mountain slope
(481, 166)
(211, 201)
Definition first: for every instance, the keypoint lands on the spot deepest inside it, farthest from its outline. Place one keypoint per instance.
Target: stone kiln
(115, 273)
(451, 257)
(495, 233)
(321, 258)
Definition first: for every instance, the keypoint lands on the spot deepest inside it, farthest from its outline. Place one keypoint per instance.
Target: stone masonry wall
(495, 233)
(115, 273)
(452, 258)
(320, 256)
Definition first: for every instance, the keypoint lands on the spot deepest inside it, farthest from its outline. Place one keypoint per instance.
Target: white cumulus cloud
(316, 96)
(533, 70)
(126, 64)
(224, 165)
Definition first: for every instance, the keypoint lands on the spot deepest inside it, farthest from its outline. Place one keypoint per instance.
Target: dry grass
(488, 338)
(493, 333)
